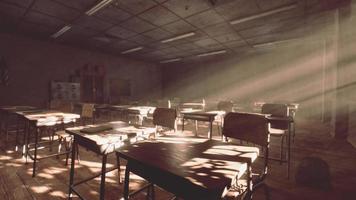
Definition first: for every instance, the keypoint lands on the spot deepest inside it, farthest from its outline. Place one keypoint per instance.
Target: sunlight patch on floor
(58, 193)
(40, 189)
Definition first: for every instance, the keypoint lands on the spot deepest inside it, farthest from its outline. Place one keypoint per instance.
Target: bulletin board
(65, 91)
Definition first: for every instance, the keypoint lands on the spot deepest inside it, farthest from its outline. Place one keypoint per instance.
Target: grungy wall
(33, 64)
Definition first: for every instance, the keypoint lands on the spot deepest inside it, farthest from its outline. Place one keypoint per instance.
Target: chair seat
(62, 134)
(277, 132)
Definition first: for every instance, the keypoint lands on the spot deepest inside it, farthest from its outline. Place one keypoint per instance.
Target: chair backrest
(165, 117)
(193, 105)
(87, 110)
(250, 127)
(164, 103)
(225, 106)
(276, 110)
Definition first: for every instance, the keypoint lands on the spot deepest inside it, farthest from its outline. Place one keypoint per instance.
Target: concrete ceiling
(126, 24)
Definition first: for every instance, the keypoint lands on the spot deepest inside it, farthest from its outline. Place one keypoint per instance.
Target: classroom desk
(7, 111)
(126, 112)
(113, 111)
(219, 119)
(37, 119)
(190, 168)
(102, 139)
(200, 116)
(140, 112)
(6, 114)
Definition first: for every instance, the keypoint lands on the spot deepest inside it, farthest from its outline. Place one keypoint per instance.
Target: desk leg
(183, 124)
(102, 183)
(140, 120)
(196, 128)
(127, 181)
(35, 154)
(293, 129)
(153, 195)
(7, 121)
(118, 167)
(210, 134)
(17, 133)
(1, 119)
(1, 123)
(71, 175)
(289, 157)
(25, 136)
(27, 140)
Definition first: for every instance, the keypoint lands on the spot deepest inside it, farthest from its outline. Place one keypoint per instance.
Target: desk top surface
(199, 113)
(42, 115)
(108, 132)
(16, 108)
(107, 137)
(196, 166)
(139, 109)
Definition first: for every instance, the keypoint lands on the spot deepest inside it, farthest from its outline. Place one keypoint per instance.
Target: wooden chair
(252, 128)
(65, 139)
(165, 117)
(278, 128)
(87, 113)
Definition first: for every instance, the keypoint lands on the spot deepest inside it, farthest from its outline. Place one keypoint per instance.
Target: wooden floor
(312, 139)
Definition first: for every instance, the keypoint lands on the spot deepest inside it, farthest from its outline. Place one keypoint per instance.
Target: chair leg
(153, 192)
(118, 167)
(77, 147)
(50, 133)
(281, 150)
(59, 146)
(67, 146)
(247, 196)
(293, 129)
(219, 129)
(148, 193)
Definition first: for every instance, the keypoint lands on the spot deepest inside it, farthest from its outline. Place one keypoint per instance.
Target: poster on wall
(65, 91)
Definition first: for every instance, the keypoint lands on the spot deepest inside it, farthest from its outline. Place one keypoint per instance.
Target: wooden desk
(219, 118)
(140, 112)
(200, 116)
(102, 139)
(41, 119)
(6, 112)
(192, 105)
(127, 111)
(189, 168)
